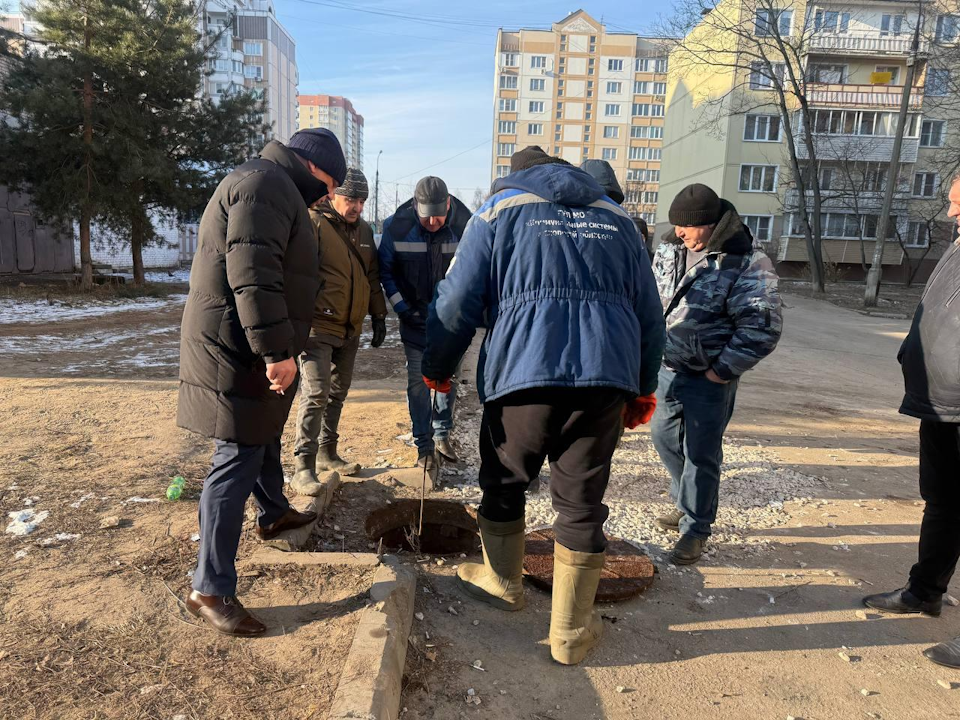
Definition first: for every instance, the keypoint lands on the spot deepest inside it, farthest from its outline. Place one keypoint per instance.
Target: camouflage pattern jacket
(724, 313)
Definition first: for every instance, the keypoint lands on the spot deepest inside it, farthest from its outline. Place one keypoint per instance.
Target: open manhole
(448, 529)
(627, 571)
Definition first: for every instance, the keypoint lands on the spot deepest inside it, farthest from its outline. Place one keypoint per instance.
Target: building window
(611, 131)
(614, 88)
(506, 149)
(510, 60)
(650, 197)
(612, 110)
(657, 110)
(536, 106)
(638, 153)
(508, 82)
(938, 81)
(891, 25)
(656, 132)
(640, 131)
(819, 73)
(918, 235)
(925, 184)
(947, 26)
(643, 64)
(762, 128)
(503, 170)
(614, 65)
(894, 71)
(759, 225)
(253, 48)
(659, 88)
(831, 21)
(758, 178)
(650, 218)
(875, 179)
(770, 22)
(537, 84)
(656, 153)
(762, 75)
(535, 129)
(507, 127)
(641, 87)
(609, 154)
(653, 176)
(508, 104)
(862, 122)
(637, 175)
(538, 62)
(253, 71)
(660, 65)
(641, 109)
(932, 133)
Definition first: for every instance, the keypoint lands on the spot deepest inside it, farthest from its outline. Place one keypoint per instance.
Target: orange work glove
(639, 411)
(441, 386)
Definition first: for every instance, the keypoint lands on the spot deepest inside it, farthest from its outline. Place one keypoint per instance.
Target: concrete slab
(273, 556)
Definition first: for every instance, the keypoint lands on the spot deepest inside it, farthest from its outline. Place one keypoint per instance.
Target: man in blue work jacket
(418, 244)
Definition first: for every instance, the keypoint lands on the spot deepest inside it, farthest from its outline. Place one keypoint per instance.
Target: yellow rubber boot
(499, 581)
(575, 627)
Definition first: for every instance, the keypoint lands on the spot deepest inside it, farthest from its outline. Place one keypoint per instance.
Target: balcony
(873, 96)
(863, 148)
(866, 45)
(845, 200)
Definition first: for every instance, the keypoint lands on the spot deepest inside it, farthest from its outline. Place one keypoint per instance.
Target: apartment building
(256, 53)
(726, 128)
(580, 92)
(338, 115)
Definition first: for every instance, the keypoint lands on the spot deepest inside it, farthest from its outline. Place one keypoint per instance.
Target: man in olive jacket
(350, 289)
(253, 286)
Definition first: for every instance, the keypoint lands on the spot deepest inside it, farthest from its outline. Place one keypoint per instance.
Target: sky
(424, 81)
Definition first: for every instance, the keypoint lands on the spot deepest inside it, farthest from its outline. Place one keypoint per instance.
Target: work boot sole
(347, 469)
(483, 596)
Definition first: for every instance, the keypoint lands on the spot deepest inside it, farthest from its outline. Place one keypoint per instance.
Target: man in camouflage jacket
(723, 315)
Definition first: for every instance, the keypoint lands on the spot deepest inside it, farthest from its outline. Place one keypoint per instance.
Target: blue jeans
(426, 423)
(687, 430)
(236, 472)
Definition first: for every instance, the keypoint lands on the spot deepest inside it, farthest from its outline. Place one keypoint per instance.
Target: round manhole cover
(627, 571)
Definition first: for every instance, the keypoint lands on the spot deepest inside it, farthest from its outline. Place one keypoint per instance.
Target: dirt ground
(89, 626)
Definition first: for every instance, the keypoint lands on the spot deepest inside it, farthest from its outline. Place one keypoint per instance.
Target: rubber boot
(304, 480)
(499, 580)
(328, 459)
(575, 627)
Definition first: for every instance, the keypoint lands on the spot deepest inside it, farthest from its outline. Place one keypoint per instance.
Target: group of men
(584, 337)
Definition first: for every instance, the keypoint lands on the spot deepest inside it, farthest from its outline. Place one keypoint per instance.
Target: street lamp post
(376, 195)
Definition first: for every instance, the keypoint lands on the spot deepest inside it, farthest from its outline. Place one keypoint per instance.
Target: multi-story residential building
(338, 115)
(851, 59)
(255, 52)
(581, 92)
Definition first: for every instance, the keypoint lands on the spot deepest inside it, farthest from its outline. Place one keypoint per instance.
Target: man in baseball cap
(433, 203)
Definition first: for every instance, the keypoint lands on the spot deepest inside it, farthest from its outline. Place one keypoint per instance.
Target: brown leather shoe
(224, 614)
(290, 521)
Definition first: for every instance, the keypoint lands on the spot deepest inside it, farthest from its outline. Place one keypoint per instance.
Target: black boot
(687, 550)
(903, 602)
(946, 654)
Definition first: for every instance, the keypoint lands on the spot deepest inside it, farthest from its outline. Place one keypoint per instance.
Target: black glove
(379, 331)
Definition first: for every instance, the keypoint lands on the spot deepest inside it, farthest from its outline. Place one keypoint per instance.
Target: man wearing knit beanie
(722, 308)
(323, 155)
(349, 291)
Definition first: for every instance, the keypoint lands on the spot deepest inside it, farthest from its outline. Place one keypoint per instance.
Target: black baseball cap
(431, 197)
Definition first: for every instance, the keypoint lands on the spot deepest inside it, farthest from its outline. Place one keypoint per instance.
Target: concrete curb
(370, 683)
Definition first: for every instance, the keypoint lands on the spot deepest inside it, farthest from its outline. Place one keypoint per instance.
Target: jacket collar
(729, 236)
(327, 209)
(310, 188)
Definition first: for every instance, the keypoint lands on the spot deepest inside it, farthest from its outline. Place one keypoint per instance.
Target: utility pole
(376, 195)
(876, 268)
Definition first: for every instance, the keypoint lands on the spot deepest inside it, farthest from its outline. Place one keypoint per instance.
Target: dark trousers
(236, 472)
(429, 423)
(326, 372)
(687, 430)
(940, 490)
(577, 429)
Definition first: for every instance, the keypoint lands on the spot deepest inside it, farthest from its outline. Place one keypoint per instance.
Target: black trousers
(940, 490)
(577, 429)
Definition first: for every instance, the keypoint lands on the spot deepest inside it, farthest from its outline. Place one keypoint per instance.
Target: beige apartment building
(338, 115)
(726, 129)
(580, 92)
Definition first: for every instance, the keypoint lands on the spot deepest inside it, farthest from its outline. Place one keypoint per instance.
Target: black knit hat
(321, 147)
(354, 186)
(695, 205)
(530, 157)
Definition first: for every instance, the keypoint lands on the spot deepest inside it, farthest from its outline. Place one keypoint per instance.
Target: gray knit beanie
(354, 186)
(695, 205)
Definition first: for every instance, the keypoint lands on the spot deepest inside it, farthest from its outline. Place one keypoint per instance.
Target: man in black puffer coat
(253, 286)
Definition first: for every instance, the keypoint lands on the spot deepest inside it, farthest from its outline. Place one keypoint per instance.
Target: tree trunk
(136, 248)
(86, 261)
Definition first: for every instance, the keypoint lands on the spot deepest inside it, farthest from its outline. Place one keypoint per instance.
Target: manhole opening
(448, 529)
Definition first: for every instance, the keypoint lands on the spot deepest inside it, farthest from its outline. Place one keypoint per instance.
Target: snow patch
(16, 312)
(24, 522)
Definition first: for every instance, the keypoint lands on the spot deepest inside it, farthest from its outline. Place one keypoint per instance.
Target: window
(758, 178)
(656, 132)
(641, 109)
(891, 25)
(656, 110)
(770, 22)
(827, 177)
(638, 153)
(759, 226)
(507, 127)
(932, 133)
(659, 88)
(641, 87)
(253, 48)
(875, 179)
(763, 75)
(637, 175)
(819, 73)
(508, 104)
(924, 184)
(510, 60)
(643, 64)
(222, 88)
(508, 82)
(253, 71)
(650, 197)
(653, 176)
(537, 84)
(918, 235)
(614, 65)
(947, 26)
(237, 67)
(503, 170)
(614, 88)
(862, 122)
(762, 128)
(660, 65)
(609, 154)
(538, 61)
(650, 218)
(535, 129)
(536, 106)
(894, 71)
(831, 21)
(612, 110)
(938, 81)
(221, 65)
(506, 149)
(611, 131)
(640, 131)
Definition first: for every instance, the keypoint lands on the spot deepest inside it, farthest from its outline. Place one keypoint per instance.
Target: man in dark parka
(253, 285)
